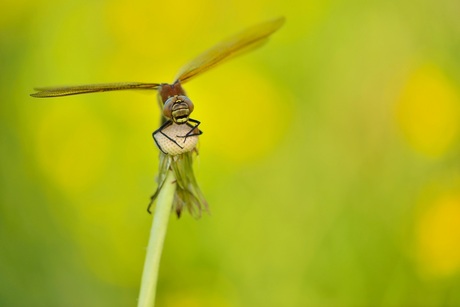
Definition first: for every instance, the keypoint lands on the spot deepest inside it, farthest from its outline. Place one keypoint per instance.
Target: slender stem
(157, 237)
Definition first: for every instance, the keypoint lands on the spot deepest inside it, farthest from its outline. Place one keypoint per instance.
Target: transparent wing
(243, 42)
(44, 92)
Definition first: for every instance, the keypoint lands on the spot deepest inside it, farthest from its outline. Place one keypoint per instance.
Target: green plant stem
(157, 237)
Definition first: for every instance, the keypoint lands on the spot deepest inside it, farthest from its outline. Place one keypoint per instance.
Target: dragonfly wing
(236, 45)
(44, 92)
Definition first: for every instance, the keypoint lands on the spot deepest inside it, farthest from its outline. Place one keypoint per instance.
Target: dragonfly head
(178, 108)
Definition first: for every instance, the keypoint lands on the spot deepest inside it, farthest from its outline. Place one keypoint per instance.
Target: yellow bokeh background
(429, 111)
(438, 237)
(330, 156)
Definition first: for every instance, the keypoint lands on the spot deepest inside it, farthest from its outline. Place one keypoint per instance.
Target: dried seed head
(175, 143)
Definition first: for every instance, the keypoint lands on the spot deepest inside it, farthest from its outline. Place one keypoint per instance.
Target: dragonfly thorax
(178, 108)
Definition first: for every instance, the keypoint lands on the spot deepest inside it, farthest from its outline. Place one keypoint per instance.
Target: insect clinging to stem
(178, 134)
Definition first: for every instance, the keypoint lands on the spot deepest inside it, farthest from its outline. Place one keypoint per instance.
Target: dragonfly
(178, 134)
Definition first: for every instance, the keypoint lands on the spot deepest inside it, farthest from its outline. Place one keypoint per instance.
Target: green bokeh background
(329, 156)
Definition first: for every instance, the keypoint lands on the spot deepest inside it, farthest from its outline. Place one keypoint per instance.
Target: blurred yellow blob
(244, 120)
(147, 28)
(428, 111)
(438, 237)
(71, 147)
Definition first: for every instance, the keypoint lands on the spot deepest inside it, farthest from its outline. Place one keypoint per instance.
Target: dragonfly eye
(178, 108)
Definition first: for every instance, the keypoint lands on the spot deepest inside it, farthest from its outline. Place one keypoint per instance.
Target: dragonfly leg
(192, 130)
